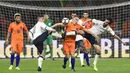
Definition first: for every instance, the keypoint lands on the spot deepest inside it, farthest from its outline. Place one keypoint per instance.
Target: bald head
(40, 19)
(46, 17)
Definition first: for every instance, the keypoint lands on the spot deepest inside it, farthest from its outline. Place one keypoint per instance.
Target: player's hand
(7, 41)
(54, 30)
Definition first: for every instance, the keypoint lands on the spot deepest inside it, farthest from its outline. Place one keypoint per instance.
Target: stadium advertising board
(109, 48)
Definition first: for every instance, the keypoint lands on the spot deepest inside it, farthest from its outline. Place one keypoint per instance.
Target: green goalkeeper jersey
(49, 22)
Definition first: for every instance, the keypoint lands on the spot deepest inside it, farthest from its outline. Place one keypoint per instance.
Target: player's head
(73, 15)
(75, 20)
(85, 15)
(46, 17)
(41, 19)
(17, 17)
(108, 21)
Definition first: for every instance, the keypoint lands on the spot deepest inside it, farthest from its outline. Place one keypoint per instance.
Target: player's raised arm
(58, 24)
(115, 36)
(65, 21)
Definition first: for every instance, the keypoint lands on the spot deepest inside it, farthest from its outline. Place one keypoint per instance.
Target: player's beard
(17, 22)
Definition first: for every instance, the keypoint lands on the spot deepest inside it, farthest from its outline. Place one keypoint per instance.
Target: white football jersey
(98, 28)
(37, 30)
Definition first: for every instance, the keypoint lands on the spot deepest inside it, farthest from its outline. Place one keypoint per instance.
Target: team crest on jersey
(77, 29)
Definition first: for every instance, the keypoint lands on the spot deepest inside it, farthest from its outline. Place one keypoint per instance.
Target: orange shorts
(87, 44)
(17, 46)
(69, 47)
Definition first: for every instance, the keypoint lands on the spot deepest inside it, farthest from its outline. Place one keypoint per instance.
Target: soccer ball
(65, 21)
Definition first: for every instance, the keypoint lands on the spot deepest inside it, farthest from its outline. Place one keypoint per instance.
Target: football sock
(12, 59)
(45, 52)
(95, 60)
(40, 60)
(17, 60)
(87, 59)
(72, 63)
(65, 61)
(51, 52)
(81, 58)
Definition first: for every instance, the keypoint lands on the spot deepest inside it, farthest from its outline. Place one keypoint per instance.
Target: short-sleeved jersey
(98, 28)
(49, 22)
(72, 27)
(88, 24)
(38, 29)
(17, 31)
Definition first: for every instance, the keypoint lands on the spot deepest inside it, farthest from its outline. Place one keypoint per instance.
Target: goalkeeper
(49, 40)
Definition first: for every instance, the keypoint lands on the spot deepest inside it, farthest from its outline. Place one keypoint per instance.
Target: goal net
(111, 47)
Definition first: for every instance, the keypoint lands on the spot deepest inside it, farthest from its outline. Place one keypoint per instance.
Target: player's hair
(85, 12)
(76, 16)
(110, 19)
(39, 17)
(17, 14)
(74, 13)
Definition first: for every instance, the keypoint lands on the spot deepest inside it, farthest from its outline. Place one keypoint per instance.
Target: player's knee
(51, 46)
(72, 56)
(67, 56)
(45, 46)
(18, 54)
(98, 51)
(12, 51)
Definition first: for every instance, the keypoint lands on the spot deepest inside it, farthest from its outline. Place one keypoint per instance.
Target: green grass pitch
(49, 66)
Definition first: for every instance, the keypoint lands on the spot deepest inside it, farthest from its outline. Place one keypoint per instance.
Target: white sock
(70, 61)
(81, 58)
(95, 60)
(40, 60)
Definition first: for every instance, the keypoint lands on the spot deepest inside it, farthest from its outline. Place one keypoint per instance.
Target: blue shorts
(90, 38)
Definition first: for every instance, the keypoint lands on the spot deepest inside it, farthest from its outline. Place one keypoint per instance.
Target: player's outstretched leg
(17, 61)
(11, 61)
(97, 48)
